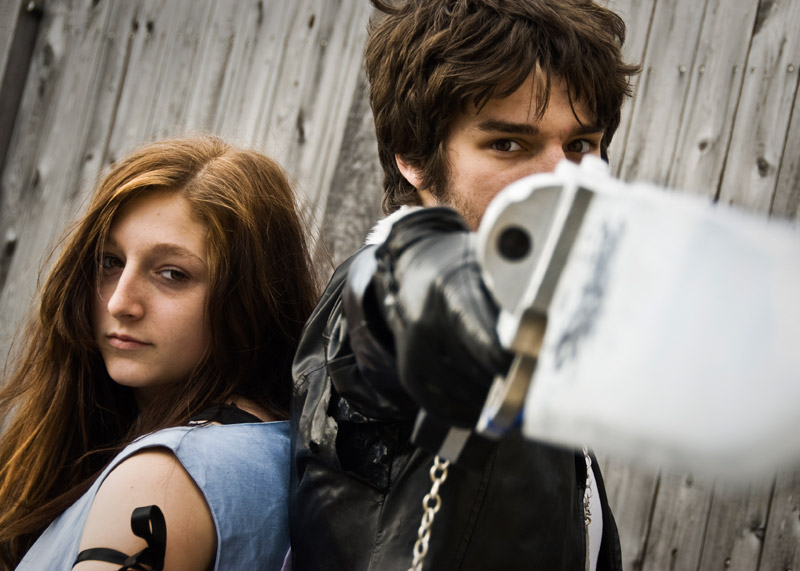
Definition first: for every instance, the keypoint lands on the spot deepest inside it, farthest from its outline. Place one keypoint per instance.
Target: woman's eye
(506, 145)
(173, 275)
(580, 146)
(107, 262)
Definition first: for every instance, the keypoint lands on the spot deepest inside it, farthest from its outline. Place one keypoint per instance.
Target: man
(468, 96)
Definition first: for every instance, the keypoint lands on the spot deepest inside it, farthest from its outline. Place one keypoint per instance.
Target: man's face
(488, 149)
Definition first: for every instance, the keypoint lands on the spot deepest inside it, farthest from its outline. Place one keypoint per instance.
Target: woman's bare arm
(152, 477)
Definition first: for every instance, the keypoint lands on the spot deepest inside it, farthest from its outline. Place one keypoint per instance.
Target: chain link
(587, 496)
(431, 504)
(587, 502)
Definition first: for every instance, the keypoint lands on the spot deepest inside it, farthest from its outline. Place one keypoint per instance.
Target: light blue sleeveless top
(243, 472)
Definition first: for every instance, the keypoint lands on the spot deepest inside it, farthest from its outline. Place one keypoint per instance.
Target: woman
(179, 295)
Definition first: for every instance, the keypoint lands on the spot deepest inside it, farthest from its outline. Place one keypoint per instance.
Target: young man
(468, 96)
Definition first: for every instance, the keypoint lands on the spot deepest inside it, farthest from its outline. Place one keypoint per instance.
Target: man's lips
(125, 342)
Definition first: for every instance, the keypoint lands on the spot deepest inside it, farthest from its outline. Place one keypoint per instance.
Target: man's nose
(127, 298)
(551, 156)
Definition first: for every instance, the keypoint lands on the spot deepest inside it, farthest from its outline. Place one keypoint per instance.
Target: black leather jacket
(358, 482)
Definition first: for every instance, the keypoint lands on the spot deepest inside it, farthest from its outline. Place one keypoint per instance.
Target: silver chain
(587, 496)
(587, 501)
(431, 504)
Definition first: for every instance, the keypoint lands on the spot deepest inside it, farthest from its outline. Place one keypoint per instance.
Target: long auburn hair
(67, 417)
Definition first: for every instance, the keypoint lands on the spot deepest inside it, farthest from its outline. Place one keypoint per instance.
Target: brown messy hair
(427, 61)
(69, 418)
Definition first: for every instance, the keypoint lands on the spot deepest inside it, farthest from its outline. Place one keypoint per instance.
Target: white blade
(673, 334)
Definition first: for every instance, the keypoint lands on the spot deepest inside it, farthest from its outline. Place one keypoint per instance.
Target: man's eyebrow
(497, 126)
(494, 126)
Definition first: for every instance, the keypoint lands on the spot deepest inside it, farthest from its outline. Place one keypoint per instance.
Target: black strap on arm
(148, 523)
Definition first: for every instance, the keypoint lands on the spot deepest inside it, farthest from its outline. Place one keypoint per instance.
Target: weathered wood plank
(737, 520)
(638, 17)
(662, 89)
(19, 24)
(679, 523)
(9, 12)
(328, 99)
(787, 193)
(185, 29)
(282, 130)
(631, 492)
(150, 43)
(642, 150)
(32, 111)
(18, 31)
(70, 48)
(782, 541)
(312, 97)
(220, 40)
(252, 89)
(713, 96)
(109, 79)
(764, 110)
(356, 190)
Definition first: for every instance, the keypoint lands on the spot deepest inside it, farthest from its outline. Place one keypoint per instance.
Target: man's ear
(414, 178)
(410, 173)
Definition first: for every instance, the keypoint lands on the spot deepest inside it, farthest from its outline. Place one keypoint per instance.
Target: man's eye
(506, 145)
(580, 146)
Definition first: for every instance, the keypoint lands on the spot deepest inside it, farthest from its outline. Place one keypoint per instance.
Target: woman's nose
(126, 299)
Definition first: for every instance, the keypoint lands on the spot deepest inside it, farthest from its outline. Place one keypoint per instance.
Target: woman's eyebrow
(163, 248)
(175, 250)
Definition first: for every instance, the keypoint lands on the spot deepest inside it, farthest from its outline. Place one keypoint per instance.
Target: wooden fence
(85, 81)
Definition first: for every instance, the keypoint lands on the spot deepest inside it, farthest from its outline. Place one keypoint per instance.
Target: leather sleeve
(419, 323)
(368, 379)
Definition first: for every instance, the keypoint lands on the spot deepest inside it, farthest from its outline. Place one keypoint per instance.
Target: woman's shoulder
(235, 455)
(231, 439)
(152, 477)
(243, 444)
(209, 478)
(229, 476)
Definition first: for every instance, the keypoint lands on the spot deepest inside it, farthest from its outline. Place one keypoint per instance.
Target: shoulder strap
(224, 414)
(146, 522)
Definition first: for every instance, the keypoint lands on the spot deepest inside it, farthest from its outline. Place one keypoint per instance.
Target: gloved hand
(441, 316)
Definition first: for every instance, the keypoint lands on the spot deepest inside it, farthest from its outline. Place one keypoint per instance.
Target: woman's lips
(125, 342)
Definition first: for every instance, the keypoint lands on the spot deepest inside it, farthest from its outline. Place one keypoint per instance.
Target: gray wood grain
(631, 494)
(638, 17)
(737, 520)
(353, 205)
(711, 103)
(762, 118)
(71, 49)
(679, 523)
(662, 89)
(782, 533)
(786, 203)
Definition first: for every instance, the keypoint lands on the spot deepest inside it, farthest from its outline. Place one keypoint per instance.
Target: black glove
(442, 318)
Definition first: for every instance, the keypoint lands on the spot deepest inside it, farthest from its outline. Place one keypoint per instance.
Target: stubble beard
(455, 200)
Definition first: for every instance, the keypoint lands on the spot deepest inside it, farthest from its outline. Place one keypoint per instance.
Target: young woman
(173, 311)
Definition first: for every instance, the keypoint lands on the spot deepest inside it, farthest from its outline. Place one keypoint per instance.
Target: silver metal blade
(672, 333)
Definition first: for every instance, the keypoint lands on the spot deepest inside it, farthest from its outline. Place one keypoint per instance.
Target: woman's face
(149, 315)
